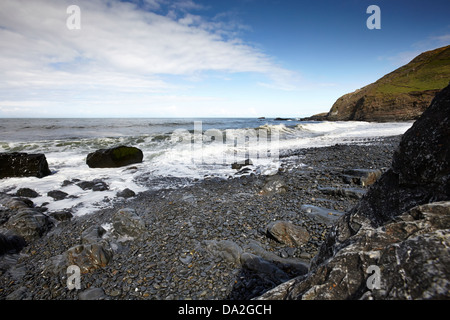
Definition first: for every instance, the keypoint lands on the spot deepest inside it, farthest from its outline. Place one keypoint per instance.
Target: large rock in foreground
(18, 164)
(395, 243)
(114, 157)
(411, 256)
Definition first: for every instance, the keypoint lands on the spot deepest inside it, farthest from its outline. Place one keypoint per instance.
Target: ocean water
(176, 151)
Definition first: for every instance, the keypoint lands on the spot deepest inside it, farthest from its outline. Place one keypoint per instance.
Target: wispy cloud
(430, 43)
(121, 47)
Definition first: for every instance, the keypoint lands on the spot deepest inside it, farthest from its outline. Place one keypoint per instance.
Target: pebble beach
(208, 240)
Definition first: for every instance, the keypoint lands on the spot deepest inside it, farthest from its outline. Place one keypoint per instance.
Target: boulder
(263, 267)
(94, 252)
(64, 215)
(291, 266)
(362, 177)
(92, 235)
(322, 215)
(225, 249)
(28, 223)
(57, 194)
(398, 233)
(126, 193)
(273, 184)
(288, 233)
(114, 157)
(17, 164)
(27, 193)
(127, 223)
(89, 257)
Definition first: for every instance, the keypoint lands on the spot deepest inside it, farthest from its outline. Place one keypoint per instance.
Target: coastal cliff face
(401, 95)
(395, 243)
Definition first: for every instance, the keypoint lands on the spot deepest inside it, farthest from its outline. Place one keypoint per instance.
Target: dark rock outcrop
(114, 157)
(400, 228)
(17, 164)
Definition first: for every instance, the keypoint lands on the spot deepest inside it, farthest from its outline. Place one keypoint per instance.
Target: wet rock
(323, 215)
(62, 215)
(265, 268)
(288, 233)
(290, 266)
(226, 249)
(89, 257)
(94, 185)
(114, 157)
(126, 193)
(274, 184)
(92, 234)
(57, 194)
(27, 193)
(127, 223)
(29, 223)
(362, 177)
(23, 165)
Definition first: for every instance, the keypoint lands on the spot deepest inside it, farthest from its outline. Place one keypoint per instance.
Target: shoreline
(179, 255)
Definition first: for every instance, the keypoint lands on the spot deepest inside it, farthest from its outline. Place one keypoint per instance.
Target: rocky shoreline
(213, 240)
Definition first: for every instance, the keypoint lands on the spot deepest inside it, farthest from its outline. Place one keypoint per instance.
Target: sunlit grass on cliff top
(429, 71)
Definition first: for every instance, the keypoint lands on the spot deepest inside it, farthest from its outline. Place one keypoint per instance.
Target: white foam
(175, 158)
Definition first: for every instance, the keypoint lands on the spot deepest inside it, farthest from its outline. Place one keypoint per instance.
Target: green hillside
(428, 71)
(401, 95)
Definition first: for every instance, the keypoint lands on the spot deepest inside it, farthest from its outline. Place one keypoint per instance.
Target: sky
(203, 58)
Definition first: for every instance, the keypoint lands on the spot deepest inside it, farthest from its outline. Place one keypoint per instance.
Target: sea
(177, 152)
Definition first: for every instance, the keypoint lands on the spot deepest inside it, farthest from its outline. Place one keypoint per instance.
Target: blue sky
(203, 58)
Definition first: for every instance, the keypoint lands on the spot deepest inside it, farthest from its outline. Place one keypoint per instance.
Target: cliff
(401, 95)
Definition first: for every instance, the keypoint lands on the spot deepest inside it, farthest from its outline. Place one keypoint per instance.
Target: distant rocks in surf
(17, 164)
(114, 157)
(283, 119)
(240, 164)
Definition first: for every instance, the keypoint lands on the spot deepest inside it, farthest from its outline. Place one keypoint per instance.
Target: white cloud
(442, 39)
(430, 43)
(119, 48)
